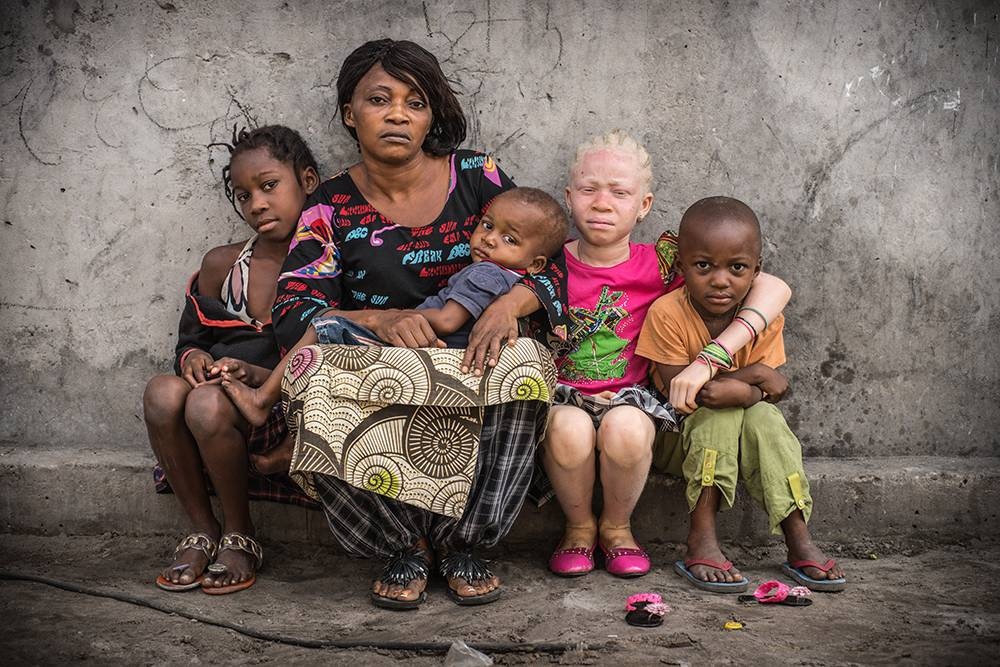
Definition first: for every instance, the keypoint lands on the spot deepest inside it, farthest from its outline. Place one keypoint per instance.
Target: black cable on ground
(422, 647)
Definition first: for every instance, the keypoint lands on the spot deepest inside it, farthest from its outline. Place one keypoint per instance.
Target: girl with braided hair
(193, 426)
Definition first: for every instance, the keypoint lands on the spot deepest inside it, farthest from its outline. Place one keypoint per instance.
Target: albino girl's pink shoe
(626, 562)
(572, 562)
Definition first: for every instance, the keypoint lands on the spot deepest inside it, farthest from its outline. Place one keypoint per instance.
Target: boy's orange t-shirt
(674, 334)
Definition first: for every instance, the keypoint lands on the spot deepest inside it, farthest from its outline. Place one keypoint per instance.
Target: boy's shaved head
(712, 212)
(551, 223)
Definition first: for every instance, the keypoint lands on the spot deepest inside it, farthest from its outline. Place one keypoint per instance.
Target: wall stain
(835, 366)
(63, 15)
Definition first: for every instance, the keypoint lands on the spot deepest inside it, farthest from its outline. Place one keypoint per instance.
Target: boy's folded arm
(447, 319)
(752, 374)
(729, 392)
(771, 383)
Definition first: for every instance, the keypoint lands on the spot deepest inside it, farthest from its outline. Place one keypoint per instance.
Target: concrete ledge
(91, 492)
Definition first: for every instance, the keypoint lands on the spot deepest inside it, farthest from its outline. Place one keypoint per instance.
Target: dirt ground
(908, 603)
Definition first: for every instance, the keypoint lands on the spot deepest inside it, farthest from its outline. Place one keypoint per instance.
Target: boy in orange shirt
(737, 432)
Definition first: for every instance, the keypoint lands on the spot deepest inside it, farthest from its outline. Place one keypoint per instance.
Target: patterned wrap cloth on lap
(403, 423)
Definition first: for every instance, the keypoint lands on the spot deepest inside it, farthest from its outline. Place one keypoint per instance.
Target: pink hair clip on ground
(775, 592)
(645, 610)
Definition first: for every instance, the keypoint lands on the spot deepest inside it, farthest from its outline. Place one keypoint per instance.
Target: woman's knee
(163, 400)
(208, 411)
(626, 437)
(569, 437)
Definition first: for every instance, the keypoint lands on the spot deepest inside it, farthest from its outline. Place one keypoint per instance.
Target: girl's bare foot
(190, 563)
(251, 402)
(240, 566)
(249, 374)
(274, 461)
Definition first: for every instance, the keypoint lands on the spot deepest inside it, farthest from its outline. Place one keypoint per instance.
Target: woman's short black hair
(283, 143)
(418, 67)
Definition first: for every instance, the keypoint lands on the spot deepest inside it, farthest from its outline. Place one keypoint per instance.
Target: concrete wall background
(865, 134)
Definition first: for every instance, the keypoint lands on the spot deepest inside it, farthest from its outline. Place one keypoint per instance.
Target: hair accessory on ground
(771, 591)
(649, 598)
(645, 610)
(775, 592)
(658, 608)
(744, 322)
(755, 312)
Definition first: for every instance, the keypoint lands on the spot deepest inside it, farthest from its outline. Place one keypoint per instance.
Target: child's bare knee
(567, 452)
(627, 452)
(164, 398)
(207, 410)
(570, 436)
(626, 436)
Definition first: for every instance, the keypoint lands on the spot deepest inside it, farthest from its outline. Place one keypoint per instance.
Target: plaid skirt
(277, 488)
(367, 524)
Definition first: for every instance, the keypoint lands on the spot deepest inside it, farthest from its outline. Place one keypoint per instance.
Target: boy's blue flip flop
(794, 570)
(681, 568)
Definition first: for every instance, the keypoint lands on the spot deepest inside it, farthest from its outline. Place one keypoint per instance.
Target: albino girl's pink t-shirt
(607, 306)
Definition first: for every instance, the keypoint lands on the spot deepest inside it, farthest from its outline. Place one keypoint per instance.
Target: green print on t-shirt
(598, 349)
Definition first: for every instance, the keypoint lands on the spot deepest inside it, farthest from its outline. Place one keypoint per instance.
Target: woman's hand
(195, 368)
(684, 387)
(497, 323)
(402, 328)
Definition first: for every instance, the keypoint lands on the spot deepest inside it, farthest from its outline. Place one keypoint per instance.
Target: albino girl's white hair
(618, 140)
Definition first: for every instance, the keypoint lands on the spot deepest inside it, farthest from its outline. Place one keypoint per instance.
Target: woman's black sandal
(401, 569)
(463, 565)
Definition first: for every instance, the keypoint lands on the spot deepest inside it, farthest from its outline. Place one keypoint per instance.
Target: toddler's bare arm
(448, 319)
